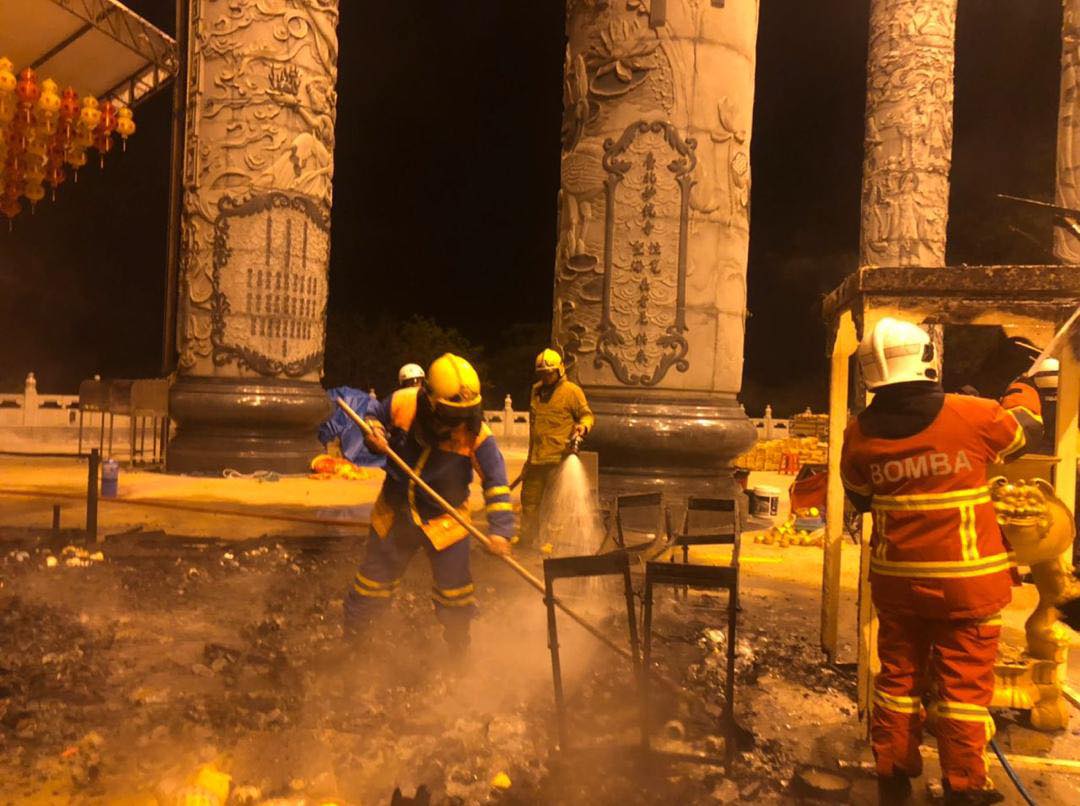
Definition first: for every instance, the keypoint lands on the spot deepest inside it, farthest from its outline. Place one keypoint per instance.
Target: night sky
(447, 172)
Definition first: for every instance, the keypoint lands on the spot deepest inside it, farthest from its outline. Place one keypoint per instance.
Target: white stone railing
(769, 427)
(36, 410)
(507, 423)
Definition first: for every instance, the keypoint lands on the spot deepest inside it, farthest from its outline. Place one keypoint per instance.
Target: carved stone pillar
(909, 112)
(1066, 236)
(258, 164)
(650, 273)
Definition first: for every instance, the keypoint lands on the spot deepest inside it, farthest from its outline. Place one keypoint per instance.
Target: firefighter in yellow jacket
(436, 428)
(559, 414)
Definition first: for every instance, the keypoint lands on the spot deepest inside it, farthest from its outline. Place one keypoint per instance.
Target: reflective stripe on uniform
(931, 501)
(454, 597)
(412, 487)
(991, 621)
(962, 712)
(883, 542)
(901, 705)
(964, 501)
(500, 507)
(373, 589)
(1037, 418)
(969, 538)
(1019, 440)
(940, 569)
(491, 492)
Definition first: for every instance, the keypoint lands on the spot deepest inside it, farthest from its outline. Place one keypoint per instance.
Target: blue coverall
(405, 519)
(339, 425)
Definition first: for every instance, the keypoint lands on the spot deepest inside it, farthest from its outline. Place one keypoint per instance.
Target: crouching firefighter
(436, 428)
(939, 570)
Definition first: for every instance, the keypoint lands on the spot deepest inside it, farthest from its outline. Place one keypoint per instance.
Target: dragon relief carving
(723, 191)
(1066, 238)
(260, 140)
(908, 133)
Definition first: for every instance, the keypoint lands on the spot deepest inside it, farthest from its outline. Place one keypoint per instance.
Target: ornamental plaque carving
(269, 302)
(642, 330)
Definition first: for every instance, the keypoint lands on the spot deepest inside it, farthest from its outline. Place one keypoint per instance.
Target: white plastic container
(766, 501)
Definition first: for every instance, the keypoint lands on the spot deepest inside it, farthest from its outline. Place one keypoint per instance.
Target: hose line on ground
(1012, 774)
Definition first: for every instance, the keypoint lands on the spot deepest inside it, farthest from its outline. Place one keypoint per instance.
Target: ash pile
(169, 666)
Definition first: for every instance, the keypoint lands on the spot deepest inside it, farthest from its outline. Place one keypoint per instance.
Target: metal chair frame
(711, 577)
(686, 538)
(614, 563)
(93, 398)
(636, 501)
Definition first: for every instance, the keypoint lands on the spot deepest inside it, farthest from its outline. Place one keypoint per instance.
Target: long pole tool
(519, 569)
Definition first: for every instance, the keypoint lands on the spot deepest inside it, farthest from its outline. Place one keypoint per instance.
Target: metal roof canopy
(99, 47)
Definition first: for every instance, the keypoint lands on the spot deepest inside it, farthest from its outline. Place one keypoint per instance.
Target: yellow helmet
(550, 360)
(453, 386)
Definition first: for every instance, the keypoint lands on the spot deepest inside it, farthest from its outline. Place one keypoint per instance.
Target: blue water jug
(110, 478)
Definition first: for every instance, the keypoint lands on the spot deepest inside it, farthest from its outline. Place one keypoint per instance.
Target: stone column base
(245, 424)
(680, 444)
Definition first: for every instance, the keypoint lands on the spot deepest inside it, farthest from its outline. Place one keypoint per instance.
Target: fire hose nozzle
(575, 444)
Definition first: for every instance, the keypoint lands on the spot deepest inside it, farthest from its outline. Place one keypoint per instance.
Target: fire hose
(518, 568)
(1012, 774)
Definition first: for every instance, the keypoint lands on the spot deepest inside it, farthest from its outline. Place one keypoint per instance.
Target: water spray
(518, 568)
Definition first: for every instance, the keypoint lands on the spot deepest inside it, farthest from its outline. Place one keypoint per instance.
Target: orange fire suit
(940, 572)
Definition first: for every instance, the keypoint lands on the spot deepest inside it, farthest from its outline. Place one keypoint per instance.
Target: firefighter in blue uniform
(437, 429)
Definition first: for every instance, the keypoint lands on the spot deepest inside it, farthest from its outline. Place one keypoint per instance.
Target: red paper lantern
(69, 113)
(27, 91)
(103, 132)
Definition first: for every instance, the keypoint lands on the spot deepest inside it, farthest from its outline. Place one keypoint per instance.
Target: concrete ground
(810, 722)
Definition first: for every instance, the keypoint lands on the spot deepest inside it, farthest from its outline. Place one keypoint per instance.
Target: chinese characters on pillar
(643, 324)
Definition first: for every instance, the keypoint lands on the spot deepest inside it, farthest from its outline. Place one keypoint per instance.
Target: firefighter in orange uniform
(939, 571)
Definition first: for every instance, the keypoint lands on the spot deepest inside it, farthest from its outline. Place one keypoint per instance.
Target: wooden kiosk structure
(1030, 301)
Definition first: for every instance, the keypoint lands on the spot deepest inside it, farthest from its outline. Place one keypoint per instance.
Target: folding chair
(713, 577)
(613, 563)
(149, 400)
(727, 534)
(624, 504)
(93, 398)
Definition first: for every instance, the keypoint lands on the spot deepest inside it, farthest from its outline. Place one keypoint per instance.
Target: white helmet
(1046, 373)
(410, 375)
(896, 351)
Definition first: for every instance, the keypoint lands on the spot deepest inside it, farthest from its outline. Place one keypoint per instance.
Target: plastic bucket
(766, 501)
(110, 478)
